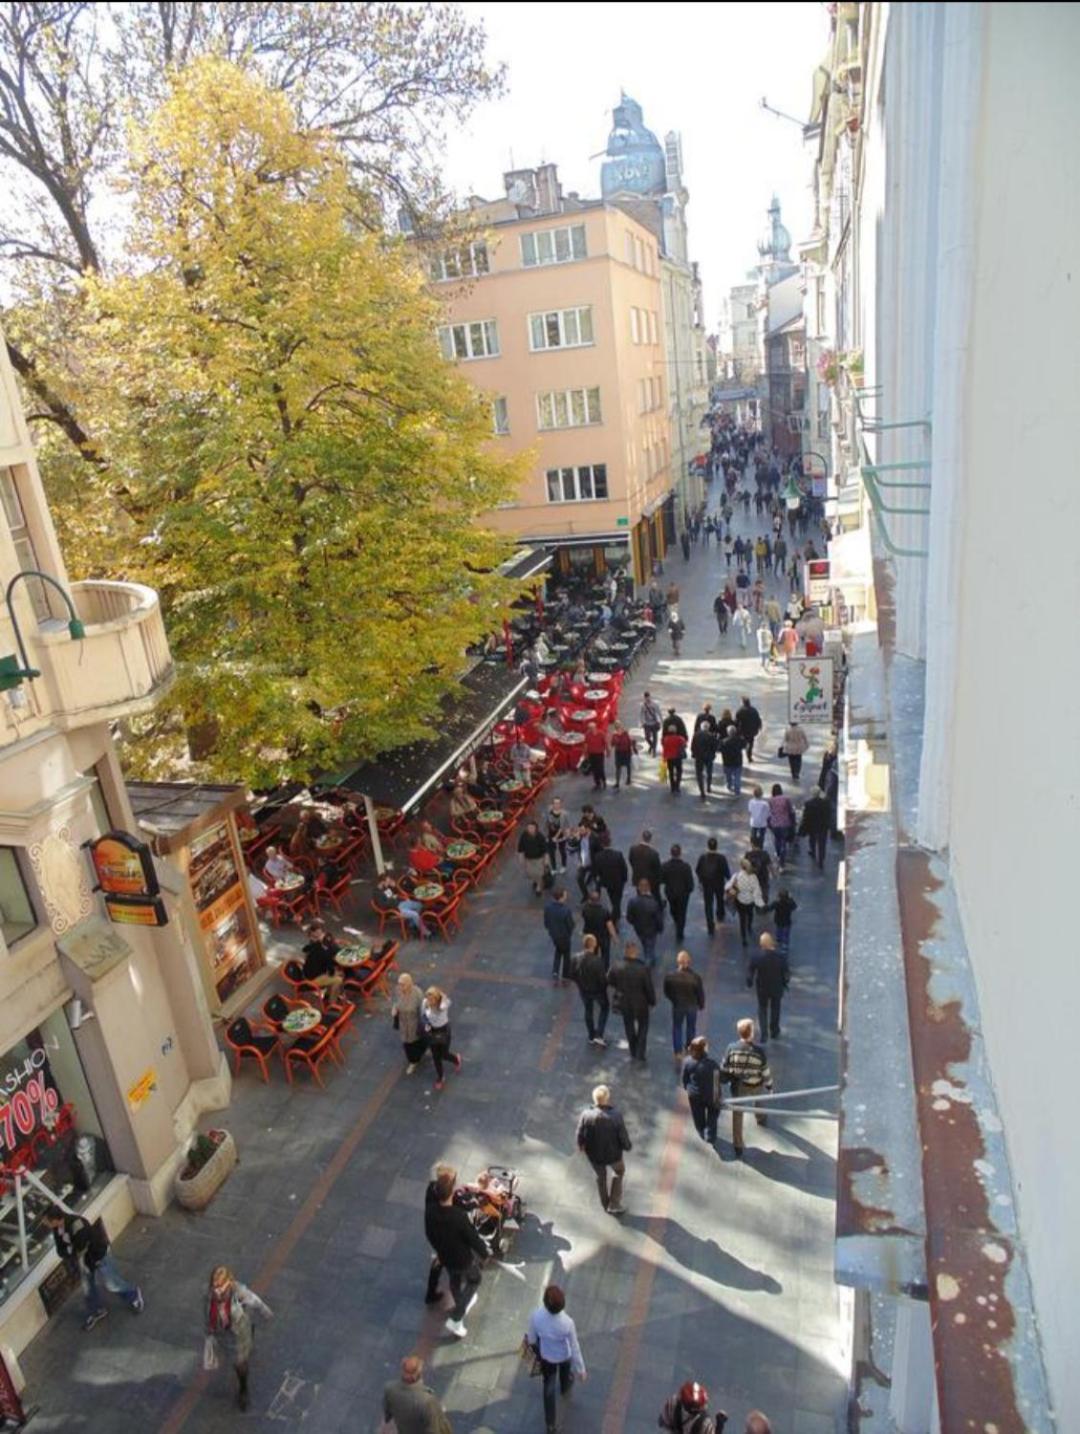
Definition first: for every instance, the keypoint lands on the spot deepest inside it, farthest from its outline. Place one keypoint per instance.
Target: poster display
(817, 579)
(810, 689)
(218, 893)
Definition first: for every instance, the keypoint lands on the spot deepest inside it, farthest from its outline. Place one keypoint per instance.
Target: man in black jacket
(816, 820)
(645, 863)
(703, 751)
(677, 880)
(713, 874)
(457, 1245)
(610, 872)
(769, 974)
(635, 998)
(705, 718)
(596, 922)
(674, 723)
(559, 924)
(731, 754)
(646, 916)
(602, 1139)
(85, 1247)
(589, 972)
(748, 723)
(685, 989)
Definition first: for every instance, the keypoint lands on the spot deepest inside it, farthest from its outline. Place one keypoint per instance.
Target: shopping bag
(662, 769)
(209, 1353)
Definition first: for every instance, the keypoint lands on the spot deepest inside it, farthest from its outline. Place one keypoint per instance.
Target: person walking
(406, 1012)
(558, 829)
(623, 746)
(596, 922)
(635, 997)
(596, 750)
(741, 621)
(589, 972)
(458, 1248)
(745, 890)
(673, 750)
(748, 722)
(84, 1248)
(677, 883)
(229, 1306)
(646, 916)
(746, 1068)
(559, 925)
(645, 863)
(533, 849)
(703, 1083)
(773, 616)
(758, 809)
(731, 755)
(703, 750)
(781, 822)
(713, 874)
(705, 718)
(794, 748)
(762, 867)
(436, 1017)
(651, 721)
(816, 819)
(685, 989)
(552, 1335)
(603, 1140)
(765, 644)
(609, 871)
(674, 723)
(687, 1412)
(783, 909)
(412, 1406)
(769, 975)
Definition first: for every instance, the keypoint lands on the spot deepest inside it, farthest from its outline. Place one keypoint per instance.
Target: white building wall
(1015, 769)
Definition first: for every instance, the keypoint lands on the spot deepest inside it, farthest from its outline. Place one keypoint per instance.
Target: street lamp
(11, 674)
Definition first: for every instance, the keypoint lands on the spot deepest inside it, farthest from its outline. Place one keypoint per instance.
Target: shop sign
(622, 522)
(127, 880)
(54, 1290)
(130, 911)
(817, 579)
(143, 1089)
(810, 689)
(29, 1102)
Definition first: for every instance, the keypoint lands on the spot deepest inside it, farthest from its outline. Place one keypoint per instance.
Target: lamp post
(11, 674)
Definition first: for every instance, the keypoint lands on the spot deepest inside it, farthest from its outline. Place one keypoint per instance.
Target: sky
(701, 69)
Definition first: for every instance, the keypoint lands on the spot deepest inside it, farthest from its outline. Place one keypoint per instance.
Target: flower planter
(196, 1191)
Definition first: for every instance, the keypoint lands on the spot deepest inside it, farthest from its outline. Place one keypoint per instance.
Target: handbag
(209, 1353)
(530, 1356)
(780, 752)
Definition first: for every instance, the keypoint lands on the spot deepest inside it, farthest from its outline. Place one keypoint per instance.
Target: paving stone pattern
(720, 1270)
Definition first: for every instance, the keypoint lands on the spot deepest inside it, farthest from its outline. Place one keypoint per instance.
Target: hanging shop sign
(817, 579)
(219, 894)
(127, 880)
(810, 689)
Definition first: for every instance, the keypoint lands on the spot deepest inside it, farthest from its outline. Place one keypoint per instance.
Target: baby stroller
(493, 1203)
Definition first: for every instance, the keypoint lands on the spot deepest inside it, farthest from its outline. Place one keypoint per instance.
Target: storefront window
(16, 913)
(51, 1144)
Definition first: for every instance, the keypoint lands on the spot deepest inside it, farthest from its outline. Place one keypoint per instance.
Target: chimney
(548, 189)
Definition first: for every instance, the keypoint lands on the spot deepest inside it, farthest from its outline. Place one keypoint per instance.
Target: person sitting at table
(485, 781)
(320, 968)
(431, 841)
(388, 898)
(521, 760)
(463, 805)
(302, 843)
(278, 867)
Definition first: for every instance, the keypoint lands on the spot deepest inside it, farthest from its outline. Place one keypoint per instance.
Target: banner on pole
(810, 689)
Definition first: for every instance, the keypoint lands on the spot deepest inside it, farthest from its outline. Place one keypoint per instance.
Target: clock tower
(634, 166)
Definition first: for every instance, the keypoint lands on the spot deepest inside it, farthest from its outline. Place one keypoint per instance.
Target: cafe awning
(403, 778)
(526, 564)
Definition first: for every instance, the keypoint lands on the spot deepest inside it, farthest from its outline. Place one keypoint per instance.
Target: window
(553, 246)
(634, 327)
(577, 485)
(561, 329)
(639, 254)
(470, 341)
(629, 247)
(569, 408)
(25, 555)
(463, 263)
(500, 415)
(17, 917)
(652, 326)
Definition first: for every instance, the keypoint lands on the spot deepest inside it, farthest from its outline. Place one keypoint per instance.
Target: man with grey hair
(602, 1139)
(412, 1405)
(757, 1423)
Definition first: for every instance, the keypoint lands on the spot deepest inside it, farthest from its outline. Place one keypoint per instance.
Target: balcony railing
(121, 667)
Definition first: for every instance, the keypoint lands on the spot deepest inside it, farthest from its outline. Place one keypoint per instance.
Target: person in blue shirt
(552, 1336)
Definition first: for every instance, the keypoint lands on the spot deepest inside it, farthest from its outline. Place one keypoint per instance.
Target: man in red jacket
(673, 747)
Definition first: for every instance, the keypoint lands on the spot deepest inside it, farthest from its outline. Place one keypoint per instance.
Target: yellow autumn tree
(299, 473)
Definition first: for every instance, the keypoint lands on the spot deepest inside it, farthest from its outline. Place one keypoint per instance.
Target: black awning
(526, 564)
(402, 778)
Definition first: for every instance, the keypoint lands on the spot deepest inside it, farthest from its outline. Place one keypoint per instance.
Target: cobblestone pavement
(720, 1270)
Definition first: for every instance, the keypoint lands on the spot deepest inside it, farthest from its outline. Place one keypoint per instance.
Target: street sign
(810, 689)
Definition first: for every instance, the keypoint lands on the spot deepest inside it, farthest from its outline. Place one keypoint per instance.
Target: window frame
(18, 862)
(490, 328)
(497, 399)
(13, 513)
(575, 474)
(473, 249)
(567, 396)
(545, 316)
(531, 239)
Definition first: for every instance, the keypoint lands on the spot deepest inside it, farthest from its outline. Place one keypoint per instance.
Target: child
(783, 909)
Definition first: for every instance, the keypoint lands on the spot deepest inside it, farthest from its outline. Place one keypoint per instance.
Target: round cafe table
(582, 714)
(352, 956)
(599, 678)
(300, 1020)
(511, 785)
(489, 817)
(427, 891)
(596, 694)
(386, 814)
(290, 883)
(460, 850)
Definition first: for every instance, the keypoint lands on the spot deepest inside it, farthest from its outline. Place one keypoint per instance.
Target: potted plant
(828, 367)
(853, 366)
(209, 1160)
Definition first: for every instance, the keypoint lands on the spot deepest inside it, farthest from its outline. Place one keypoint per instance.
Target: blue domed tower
(635, 162)
(774, 248)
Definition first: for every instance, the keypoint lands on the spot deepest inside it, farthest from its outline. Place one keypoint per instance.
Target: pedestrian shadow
(536, 1243)
(702, 1257)
(811, 1170)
